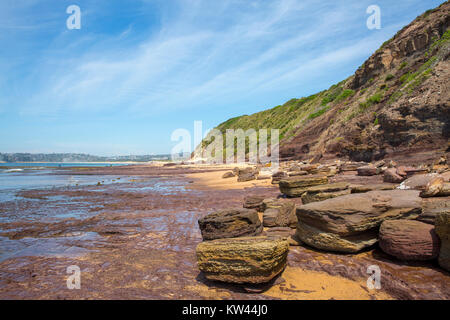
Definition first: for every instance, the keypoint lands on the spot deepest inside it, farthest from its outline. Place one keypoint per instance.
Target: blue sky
(137, 70)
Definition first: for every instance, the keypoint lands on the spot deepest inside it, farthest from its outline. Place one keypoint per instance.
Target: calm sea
(20, 176)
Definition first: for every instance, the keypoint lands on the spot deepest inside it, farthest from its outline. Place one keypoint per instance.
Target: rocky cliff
(395, 105)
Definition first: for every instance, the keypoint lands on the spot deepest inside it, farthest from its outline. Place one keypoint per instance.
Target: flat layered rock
(443, 231)
(279, 213)
(230, 223)
(254, 202)
(330, 187)
(409, 240)
(277, 176)
(391, 175)
(348, 223)
(285, 233)
(247, 174)
(324, 192)
(431, 207)
(247, 177)
(321, 196)
(243, 260)
(352, 166)
(437, 187)
(372, 187)
(297, 173)
(328, 241)
(296, 186)
(418, 182)
(368, 171)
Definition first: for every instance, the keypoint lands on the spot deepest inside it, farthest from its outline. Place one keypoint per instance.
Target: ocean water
(53, 208)
(59, 164)
(23, 176)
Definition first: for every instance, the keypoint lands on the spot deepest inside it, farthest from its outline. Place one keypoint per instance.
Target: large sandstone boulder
(368, 171)
(247, 174)
(330, 241)
(325, 191)
(279, 213)
(277, 176)
(254, 202)
(372, 187)
(418, 182)
(296, 186)
(350, 223)
(436, 188)
(443, 231)
(246, 177)
(230, 223)
(391, 175)
(432, 207)
(409, 240)
(243, 260)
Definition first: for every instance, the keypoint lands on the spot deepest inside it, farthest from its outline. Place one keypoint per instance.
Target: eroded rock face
(372, 187)
(329, 241)
(443, 231)
(285, 233)
(254, 202)
(279, 213)
(436, 188)
(296, 186)
(246, 177)
(432, 207)
(368, 171)
(243, 260)
(409, 240)
(349, 223)
(230, 223)
(326, 191)
(247, 174)
(418, 182)
(390, 175)
(277, 176)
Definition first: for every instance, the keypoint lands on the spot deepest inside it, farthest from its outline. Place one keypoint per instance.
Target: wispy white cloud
(177, 69)
(164, 61)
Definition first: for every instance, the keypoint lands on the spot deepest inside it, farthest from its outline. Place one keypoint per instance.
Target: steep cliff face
(396, 103)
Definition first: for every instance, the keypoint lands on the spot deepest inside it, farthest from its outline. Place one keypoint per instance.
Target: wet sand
(135, 241)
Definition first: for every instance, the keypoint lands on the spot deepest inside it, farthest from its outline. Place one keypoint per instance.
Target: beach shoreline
(135, 241)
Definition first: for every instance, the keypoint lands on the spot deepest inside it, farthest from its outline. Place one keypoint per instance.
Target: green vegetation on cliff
(349, 109)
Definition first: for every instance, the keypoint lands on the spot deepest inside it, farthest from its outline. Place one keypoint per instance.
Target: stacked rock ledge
(230, 223)
(350, 223)
(243, 260)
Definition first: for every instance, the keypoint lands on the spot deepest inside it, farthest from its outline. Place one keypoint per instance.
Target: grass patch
(395, 96)
(375, 99)
(439, 42)
(345, 94)
(419, 80)
(334, 92)
(318, 113)
(422, 73)
(389, 77)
